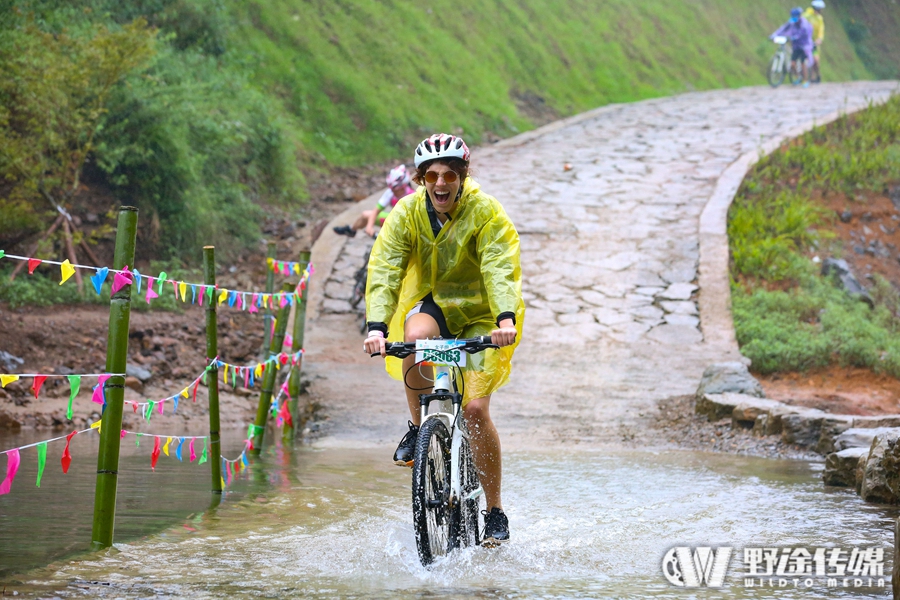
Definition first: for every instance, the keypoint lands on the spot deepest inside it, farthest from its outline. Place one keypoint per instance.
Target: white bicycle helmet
(818, 4)
(441, 145)
(398, 176)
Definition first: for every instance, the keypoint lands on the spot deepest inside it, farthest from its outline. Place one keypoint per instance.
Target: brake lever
(479, 348)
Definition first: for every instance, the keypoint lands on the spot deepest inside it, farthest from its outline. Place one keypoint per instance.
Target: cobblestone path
(607, 205)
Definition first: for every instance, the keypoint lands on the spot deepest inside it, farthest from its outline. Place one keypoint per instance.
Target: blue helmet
(795, 13)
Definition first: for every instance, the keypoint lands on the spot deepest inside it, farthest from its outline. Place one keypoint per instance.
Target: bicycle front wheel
(796, 72)
(431, 491)
(470, 532)
(775, 74)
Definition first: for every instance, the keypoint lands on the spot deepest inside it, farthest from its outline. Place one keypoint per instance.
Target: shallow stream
(336, 523)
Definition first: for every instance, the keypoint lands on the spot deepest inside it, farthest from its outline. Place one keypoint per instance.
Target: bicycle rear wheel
(775, 74)
(431, 491)
(795, 72)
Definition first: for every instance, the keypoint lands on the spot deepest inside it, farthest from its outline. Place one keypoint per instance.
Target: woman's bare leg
(485, 448)
(418, 327)
(361, 221)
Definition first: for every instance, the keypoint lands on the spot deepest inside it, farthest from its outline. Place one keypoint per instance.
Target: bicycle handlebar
(470, 345)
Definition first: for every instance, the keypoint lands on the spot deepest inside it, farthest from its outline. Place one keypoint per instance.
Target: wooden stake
(34, 247)
(116, 359)
(70, 251)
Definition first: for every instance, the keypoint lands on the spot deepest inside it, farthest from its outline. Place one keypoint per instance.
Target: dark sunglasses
(449, 176)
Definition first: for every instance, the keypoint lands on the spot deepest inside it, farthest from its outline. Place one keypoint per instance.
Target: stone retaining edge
(716, 322)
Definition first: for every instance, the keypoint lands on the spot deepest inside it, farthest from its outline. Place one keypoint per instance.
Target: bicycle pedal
(402, 463)
(492, 542)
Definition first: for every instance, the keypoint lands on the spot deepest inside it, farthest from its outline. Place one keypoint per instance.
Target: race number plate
(442, 353)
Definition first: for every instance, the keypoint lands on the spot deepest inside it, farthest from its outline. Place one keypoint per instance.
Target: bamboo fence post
(265, 397)
(271, 253)
(212, 371)
(116, 358)
(290, 432)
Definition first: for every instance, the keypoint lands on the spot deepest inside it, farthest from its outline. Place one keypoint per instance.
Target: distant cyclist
(398, 186)
(800, 32)
(446, 264)
(813, 14)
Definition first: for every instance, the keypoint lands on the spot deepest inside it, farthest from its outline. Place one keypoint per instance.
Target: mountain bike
(446, 493)
(781, 65)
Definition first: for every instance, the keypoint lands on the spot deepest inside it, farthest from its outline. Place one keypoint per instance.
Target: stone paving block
(832, 426)
(678, 291)
(841, 467)
(860, 437)
(679, 307)
(802, 428)
(876, 421)
(686, 320)
(748, 408)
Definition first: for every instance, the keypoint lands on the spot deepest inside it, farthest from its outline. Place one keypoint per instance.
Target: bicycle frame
(444, 391)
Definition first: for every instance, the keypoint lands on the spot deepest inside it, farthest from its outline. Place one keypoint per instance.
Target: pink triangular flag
(36, 386)
(191, 448)
(150, 293)
(12, 467)
(121, 280)
(98, 391)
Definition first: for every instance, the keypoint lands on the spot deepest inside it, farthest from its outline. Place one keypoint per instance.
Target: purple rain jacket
(800, 33)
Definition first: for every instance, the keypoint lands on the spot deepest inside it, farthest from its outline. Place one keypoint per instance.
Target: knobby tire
(464, 529)
(776, 71)
(431, 491)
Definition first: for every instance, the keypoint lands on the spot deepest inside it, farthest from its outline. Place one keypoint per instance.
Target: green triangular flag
(42, 461)
(161, 281)
(137, 440)
(203, 454)
(75, 385)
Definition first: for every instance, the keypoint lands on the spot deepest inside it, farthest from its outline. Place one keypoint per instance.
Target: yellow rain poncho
(471, 269)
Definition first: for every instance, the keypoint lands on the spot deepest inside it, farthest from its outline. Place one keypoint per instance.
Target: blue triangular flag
(99, 278)
(178, 449)
(137, 280)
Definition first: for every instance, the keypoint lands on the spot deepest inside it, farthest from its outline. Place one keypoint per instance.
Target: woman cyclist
(446, 263)
(398, 186)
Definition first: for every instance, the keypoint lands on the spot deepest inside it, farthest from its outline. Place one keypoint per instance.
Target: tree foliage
(54, 93)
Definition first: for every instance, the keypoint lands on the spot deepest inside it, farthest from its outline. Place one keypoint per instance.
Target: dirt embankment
(171, 346)
(866, 227)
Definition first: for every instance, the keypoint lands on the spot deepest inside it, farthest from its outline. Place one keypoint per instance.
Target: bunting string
(186, 292)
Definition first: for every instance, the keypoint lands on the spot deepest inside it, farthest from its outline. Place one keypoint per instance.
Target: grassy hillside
(241, 98)
(874, 30)
(367, 79)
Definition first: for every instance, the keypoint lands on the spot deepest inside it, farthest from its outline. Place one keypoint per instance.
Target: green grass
(787, 316)
(244, 97)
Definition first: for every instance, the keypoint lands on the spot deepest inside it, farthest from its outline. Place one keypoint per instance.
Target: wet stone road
(608, 207)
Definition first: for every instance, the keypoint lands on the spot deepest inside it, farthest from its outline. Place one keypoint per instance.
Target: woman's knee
(477, 410)
(419, 327)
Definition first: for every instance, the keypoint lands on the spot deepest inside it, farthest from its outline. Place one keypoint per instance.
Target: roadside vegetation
(788, 316)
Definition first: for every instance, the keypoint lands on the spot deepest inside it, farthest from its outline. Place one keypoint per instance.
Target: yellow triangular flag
(67, 270)
(182, 288)
(184, 393)
(222, 295)
(256, 372)
(269, 262)
(296, 268)
(96, 425)
(166, 447)
(225, 375)
(4, 379)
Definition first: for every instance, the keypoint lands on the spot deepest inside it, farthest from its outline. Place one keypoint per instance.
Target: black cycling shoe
(345, 230)
(496, 528)
(405, 452)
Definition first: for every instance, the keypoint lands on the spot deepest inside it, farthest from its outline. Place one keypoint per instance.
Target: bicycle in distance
(781, 65)
(446, 493)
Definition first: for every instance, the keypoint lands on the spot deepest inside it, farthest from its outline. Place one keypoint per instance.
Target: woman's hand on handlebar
(505, 335)
(374, 344)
